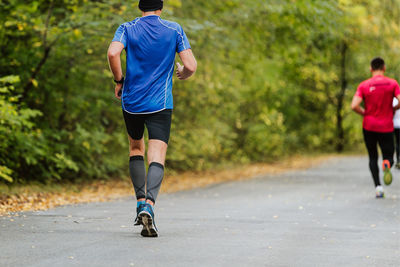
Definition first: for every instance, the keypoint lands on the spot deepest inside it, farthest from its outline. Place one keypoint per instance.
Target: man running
(146, 96)
(378, 93)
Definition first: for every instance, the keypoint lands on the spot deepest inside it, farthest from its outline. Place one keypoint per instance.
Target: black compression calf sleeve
(138, 175)
(154, 180)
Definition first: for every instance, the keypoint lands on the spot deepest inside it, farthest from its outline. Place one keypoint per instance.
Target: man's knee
(156, 157)
(157, 151)
(136, 147)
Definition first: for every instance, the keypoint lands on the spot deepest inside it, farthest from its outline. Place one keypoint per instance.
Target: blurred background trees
(275, 78)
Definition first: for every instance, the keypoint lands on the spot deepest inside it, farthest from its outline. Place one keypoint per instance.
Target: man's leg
(371, 142)
(137, 167)
(156, 156)
(135, 127)
(158, 126)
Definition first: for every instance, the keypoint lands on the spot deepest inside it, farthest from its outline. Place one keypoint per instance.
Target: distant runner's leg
(397, 137)
(386, 143)
(371, 142)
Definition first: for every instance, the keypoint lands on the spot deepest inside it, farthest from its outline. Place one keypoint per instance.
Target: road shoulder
(40, 197)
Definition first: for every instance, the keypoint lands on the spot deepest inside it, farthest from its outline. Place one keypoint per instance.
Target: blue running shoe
(139, 208)
(147, 218)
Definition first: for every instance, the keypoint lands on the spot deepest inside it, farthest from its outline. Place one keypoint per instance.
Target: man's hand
(355, 105)
(179, 71)
(118, 90)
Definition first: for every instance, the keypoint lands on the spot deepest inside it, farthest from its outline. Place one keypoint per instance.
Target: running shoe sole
(149, 230)
(138, 221)
(387, 176)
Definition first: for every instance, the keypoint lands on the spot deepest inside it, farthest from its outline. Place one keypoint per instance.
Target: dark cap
(151, 5)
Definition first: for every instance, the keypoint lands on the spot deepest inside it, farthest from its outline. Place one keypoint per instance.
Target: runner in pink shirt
(377, 93)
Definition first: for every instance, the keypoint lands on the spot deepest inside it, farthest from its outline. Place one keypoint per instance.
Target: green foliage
(58, 121)
(5, 174)
(17, 132)
(274, 78)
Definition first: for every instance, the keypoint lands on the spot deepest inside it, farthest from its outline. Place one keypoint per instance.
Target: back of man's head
(151, 5)
(377, 64)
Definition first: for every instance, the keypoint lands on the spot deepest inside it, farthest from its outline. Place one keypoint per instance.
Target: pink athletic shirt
(378, 93)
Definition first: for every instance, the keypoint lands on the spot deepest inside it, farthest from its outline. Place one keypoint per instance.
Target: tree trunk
(340, 99)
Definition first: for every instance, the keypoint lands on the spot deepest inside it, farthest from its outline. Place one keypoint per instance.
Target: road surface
(325, 216)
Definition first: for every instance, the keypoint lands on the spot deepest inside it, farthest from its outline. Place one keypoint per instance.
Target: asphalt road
(325, 216)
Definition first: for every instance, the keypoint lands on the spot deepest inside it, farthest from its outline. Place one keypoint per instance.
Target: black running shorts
(158, 125)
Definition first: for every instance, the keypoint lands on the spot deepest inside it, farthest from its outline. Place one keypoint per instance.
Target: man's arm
(355, 105)
(189, 65)
(114, 60)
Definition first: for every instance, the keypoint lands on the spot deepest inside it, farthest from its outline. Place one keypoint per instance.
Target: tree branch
(47, 47)
(46, 28)
(46, 52)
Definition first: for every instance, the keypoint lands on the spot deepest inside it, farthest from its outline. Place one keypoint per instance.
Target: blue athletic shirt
(150, 43)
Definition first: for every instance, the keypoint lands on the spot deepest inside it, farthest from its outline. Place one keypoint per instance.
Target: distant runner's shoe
(147, 218)
(138, 220)
(397, 165)
(387, 174)
(379, 192)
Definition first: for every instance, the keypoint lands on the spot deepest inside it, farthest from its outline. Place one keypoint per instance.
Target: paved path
(325, 216)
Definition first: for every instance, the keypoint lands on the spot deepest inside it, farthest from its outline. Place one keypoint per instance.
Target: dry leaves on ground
(101, 191)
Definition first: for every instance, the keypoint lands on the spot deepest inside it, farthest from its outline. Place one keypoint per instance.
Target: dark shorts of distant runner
(158, 125)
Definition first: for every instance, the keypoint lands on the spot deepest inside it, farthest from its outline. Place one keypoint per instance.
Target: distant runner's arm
(355, 105)
(114, 60)
(189, 65)
(398, 104)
